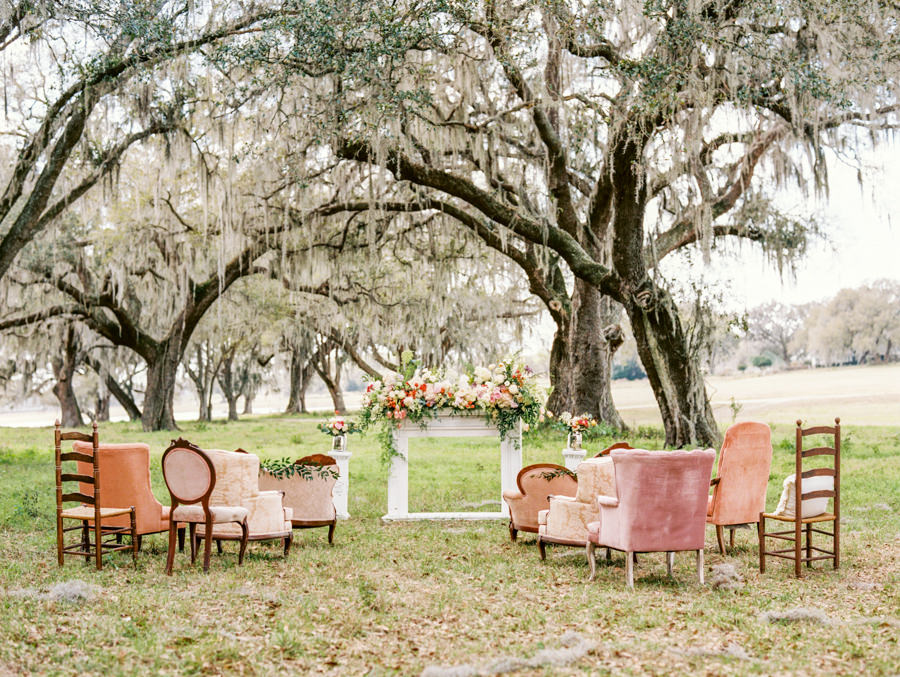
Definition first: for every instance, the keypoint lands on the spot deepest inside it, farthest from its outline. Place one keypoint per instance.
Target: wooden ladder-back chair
(89, 511)
(805, 513)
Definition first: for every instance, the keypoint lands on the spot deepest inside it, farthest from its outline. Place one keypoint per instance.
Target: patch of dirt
(574, 648)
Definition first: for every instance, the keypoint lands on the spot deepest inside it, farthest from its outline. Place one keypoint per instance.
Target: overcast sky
(864, 229)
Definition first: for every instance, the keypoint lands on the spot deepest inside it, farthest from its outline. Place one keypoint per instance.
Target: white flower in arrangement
(513, 388)
(482, 374)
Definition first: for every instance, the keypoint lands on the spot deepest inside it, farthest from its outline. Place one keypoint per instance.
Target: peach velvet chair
(739, 488)
(566, 521)
(536, 484)
(308, 492)
(237, 483)
(125, 480)
(660, 506)
(191, 479)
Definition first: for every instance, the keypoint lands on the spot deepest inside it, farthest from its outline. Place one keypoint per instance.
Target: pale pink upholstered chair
(191, 479)
(739, 488)
(660, 506)
(536, 484)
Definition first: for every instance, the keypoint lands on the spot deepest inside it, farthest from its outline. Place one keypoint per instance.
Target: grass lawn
(403, 598)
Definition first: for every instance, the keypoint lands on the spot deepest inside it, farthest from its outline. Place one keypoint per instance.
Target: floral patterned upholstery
(568, 517)
(237, 484)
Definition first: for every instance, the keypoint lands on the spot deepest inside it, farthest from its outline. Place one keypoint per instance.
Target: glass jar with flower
(337, 427)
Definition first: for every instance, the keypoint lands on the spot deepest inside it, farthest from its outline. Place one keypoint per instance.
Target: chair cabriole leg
(670, 562)
(589, 548)
(245, 532)
(720, 537)
(331, 531)
(207, 544)
(700, 566)
(170, 555)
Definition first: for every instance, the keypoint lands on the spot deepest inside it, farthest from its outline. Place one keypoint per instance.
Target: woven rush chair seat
(86, 512)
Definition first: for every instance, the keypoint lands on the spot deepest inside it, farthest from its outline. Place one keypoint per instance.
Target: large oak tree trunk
(301, 373)
(673, 371)
(226, 383)
(63, 372)
(674, 374)
(159, 398)
(592, 354)
(562, 393)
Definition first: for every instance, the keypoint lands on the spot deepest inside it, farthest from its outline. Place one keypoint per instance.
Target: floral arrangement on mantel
(503, 393)
(337, 426)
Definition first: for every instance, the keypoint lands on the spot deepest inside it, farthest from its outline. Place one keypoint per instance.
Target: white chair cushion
(811, 506)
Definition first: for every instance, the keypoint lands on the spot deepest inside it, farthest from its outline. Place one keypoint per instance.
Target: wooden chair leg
(629, 570)
(170, 554)
(193, 537)
(720, 537)
(134, 538)
(219, 546)
(207, 544)
(761, 532)
(288, 540)
(731, 538)
(513, 532)
(98, 544)
(245, 532)
(140, 542)
(608, 555)
(809, 546)
(589, 548)
(798, 545)
(670, 562)
(700, 571)
(86, 542)
(181, 539)
(541, 549)
(837, 542)
(331, 531)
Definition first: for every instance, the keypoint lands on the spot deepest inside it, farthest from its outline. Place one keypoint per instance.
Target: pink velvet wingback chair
(739, 488)
(536, 484)
(660, 506)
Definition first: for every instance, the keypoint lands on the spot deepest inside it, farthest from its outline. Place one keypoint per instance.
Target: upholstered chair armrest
(513, 495)
(266, 512)
(553, 498)
(608, 501)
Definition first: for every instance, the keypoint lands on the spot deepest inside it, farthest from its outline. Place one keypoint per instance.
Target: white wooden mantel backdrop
(450, 426)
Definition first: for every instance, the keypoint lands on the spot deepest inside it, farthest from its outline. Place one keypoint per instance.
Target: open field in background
(397, 599)
(867, 395)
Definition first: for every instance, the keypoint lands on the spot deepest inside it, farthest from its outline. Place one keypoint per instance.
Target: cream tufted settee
(237, 484)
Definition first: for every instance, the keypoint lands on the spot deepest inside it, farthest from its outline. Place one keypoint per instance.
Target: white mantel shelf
(449, 426)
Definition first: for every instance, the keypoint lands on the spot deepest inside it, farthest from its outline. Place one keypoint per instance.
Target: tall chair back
(83, 487)
(810, 502)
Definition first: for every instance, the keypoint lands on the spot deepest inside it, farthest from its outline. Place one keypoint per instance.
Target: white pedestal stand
(450, 426)
(341, 490)
(572, 457)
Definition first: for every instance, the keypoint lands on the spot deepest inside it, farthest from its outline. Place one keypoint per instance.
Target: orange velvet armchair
(536, 484)
(125, 480)
(739, 488)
